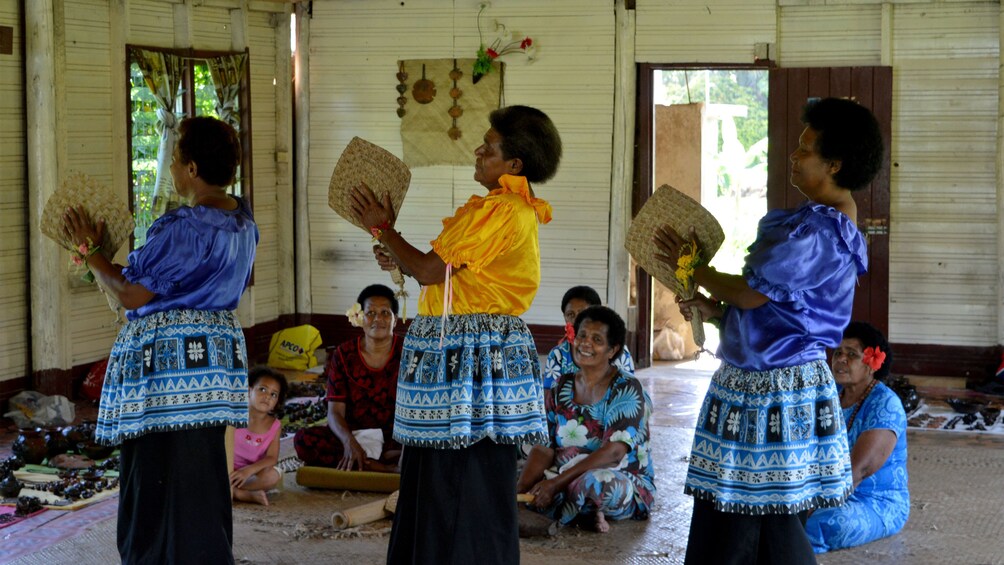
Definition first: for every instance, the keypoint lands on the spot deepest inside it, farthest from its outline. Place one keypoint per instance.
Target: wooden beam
(304, 302)
(286, 219)
(622, 165)
(46, 157)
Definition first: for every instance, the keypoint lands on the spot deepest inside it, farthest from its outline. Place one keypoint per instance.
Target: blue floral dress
(880, 505)
(576, 430)
(560, 362)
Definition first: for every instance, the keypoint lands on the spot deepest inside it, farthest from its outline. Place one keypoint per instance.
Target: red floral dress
(369, 395)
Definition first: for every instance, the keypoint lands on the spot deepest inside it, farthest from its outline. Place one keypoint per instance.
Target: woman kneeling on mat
(597, 464)
(876, 433)
(362, 388)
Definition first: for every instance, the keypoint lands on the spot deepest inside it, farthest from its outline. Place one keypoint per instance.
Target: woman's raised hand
(670, 243)
(370, 211)
(79, 229)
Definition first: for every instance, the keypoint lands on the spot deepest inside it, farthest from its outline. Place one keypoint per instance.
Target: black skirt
(456, 507)
(174, 500)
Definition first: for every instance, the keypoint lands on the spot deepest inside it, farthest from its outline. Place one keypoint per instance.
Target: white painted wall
(90, 59)
(13, 228)
(945, 267)
(354, 47)
(944, 260)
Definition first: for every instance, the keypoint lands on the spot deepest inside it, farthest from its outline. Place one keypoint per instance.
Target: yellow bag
(293, 348)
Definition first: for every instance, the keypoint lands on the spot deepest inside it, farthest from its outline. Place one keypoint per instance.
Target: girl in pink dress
(256, 447)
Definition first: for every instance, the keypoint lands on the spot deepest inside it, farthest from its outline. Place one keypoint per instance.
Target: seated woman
(559, 360)
(597, 464)
(362, 390)
(876, 434)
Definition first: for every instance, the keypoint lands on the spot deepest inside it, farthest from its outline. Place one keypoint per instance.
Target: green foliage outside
(146, 134)
(741, 161)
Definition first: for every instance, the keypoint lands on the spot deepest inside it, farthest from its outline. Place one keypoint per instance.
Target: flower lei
(874, 357)
(80, 254)
(690, 259)
(504, 44)
(355, 315)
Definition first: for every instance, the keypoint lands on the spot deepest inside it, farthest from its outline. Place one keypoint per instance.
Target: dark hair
(616, 330)
(378, 290)
(585, 293)
(869, 336)
(258, 373)
(214, 147)
(847, 132)
(527, 133)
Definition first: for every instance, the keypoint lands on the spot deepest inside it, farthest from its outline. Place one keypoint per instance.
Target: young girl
(256, 447)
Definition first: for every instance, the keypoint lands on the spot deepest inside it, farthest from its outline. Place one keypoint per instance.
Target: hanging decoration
(455, 111)
(424, 90)
(505, 43)
(447, 129)
(402, 87)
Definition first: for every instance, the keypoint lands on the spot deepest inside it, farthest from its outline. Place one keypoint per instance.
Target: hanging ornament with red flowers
(505, 43)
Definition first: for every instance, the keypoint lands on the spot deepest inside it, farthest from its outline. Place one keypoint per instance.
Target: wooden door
(790, 90)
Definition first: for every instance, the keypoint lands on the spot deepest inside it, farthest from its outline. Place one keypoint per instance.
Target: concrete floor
(956, 481)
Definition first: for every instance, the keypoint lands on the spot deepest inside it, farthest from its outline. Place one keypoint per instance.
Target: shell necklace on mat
(860, 402)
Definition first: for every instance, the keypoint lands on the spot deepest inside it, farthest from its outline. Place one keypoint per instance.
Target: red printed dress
(369, 395)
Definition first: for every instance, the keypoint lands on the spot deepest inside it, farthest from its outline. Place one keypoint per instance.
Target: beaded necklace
(850, 421)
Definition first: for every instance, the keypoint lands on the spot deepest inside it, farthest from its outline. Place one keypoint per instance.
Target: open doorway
(708, 138)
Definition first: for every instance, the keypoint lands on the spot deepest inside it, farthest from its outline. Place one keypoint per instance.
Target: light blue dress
(560, 362)
(880, 506)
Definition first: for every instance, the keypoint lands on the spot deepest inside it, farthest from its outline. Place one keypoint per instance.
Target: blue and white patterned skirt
(771, 442)
(174, 370)
(484, 382)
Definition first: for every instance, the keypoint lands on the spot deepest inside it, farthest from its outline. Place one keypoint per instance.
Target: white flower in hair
(355, 315)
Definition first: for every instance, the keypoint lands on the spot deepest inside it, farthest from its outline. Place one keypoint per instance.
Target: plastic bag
(293, 348)
(91, 387)
(32, 409)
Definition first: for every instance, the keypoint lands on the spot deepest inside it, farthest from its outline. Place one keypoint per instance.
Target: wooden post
(622, 166)
(302, 212)
(50, 327)
(286, 219)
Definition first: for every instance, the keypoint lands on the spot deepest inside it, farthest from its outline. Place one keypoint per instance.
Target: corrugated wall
(14, 252)
(354, 47)
(90, 118)
(945, 57)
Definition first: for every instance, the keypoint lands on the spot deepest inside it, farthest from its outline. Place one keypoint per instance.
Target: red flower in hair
(873, 357)
(569, 333)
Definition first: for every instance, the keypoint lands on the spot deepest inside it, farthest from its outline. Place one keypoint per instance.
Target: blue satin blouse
(195, 258)
(807, 262)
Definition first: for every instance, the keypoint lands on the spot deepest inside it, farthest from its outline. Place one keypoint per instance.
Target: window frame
(187, 96)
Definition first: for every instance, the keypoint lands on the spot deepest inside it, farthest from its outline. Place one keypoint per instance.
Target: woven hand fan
(364, 162)
(669, 206)
(79, 189)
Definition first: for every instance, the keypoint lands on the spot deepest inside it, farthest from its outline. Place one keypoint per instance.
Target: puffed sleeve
(623, 414)
(784, 267)
(338, 379)
(171, 254)
(885, 414)
(479, 232)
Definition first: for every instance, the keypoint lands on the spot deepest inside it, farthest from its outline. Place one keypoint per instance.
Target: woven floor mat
(955, 481)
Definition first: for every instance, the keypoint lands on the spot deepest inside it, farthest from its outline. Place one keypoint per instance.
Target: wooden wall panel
(262, 46)
(13, 226)
(354, 49)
